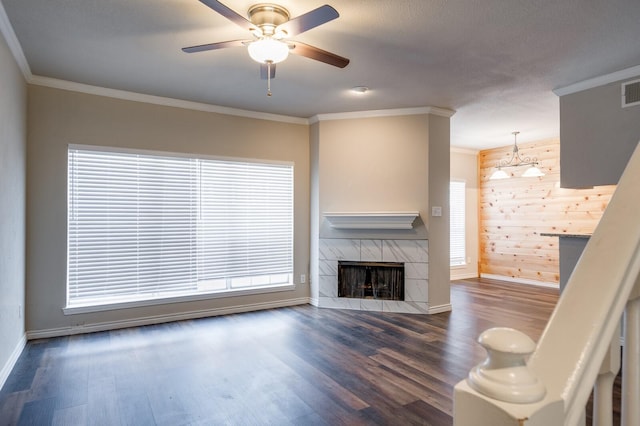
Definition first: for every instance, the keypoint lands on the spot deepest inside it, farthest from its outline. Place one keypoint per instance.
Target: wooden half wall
(513, 212)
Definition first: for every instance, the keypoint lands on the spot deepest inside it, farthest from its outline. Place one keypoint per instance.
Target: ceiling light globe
(360, 90)
(268, 50)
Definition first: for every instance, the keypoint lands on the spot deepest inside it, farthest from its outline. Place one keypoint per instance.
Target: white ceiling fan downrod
(269, 78)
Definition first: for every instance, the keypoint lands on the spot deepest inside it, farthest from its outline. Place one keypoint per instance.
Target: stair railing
(521, 383)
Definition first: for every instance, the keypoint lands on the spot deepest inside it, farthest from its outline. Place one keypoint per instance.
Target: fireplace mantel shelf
(372, 220)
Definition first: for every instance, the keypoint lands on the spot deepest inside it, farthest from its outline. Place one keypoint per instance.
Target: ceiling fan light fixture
(268, 50)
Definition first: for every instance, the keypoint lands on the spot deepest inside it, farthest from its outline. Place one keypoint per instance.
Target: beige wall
(391, 163)
(58, 118)
(13, 142)
(398, 163)
(439, 166)
(372, 165)
(464, 166)
(314, 148)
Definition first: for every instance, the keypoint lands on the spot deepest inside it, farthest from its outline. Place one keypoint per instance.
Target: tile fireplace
(413, 255)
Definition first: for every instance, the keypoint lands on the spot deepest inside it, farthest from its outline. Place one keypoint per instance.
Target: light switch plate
(436, 211)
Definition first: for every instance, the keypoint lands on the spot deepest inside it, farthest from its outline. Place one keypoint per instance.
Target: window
(145, 226)
(457, 223)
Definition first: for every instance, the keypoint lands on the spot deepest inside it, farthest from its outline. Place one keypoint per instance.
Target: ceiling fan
(271, 28)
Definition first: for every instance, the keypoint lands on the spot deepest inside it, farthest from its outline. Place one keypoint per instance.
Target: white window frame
(457, 223)
(197, 234)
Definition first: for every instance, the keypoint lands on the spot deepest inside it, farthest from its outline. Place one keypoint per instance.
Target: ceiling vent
(630, 93)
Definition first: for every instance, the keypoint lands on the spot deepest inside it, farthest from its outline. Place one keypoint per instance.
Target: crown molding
(443, 112)
(16, 49)
(598, 81)
(197, 106)
(159, 100)
(14, 45)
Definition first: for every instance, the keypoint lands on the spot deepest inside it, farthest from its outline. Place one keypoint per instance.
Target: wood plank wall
(513, 212)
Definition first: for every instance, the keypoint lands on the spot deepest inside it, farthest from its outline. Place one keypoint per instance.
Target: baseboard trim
(463, 276)
(11, 362)
(314, 301)
(159, 319)
(520, 280)
(439, 309)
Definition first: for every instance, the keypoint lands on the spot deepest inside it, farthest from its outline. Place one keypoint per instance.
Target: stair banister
(570, 352)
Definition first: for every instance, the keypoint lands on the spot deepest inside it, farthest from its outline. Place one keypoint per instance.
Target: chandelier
(516, 161)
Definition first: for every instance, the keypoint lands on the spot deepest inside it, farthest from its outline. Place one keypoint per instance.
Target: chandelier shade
(499, 174)
(533, 171)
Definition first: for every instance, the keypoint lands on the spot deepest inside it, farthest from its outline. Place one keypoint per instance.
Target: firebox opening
(371, 280)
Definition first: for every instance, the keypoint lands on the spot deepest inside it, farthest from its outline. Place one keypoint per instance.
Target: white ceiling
(494, 62)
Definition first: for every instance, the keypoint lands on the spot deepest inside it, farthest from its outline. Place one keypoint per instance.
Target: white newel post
(502, 390)
(504, 374)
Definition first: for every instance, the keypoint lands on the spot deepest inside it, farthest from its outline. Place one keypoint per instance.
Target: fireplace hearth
(371, 280)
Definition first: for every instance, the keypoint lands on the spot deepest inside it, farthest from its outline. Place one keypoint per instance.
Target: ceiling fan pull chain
(268, 78)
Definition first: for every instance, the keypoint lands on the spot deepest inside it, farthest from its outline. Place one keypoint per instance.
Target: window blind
(457, 223)
(143, 226)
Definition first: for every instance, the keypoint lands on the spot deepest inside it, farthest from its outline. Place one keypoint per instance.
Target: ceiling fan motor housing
(267, 17)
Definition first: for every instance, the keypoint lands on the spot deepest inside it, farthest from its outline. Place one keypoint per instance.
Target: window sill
(73, 310)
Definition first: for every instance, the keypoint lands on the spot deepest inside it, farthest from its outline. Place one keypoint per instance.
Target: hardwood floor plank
(37, 412)
(11, 405)
(289, 366)
(103, 402)
(321, 381)
(70, 416)
(427, 388)
(430, 413)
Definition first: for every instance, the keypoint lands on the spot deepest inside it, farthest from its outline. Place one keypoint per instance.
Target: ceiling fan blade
(229, 13)
(264, 71)
(309, 20)
(214, 46)
(319, 55)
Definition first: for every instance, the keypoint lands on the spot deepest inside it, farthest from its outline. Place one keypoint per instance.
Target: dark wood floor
(292, 366)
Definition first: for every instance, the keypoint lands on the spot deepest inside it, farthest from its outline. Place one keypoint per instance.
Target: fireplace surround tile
(339, 249)
(419, 271)
(405, 251)
(415, 290)
(371, 305)
(370, 250)
(339, 303)
(405, 307)
(328, 267)
(328, 287)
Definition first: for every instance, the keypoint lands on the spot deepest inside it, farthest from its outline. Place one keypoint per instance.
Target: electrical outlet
(303, 278)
